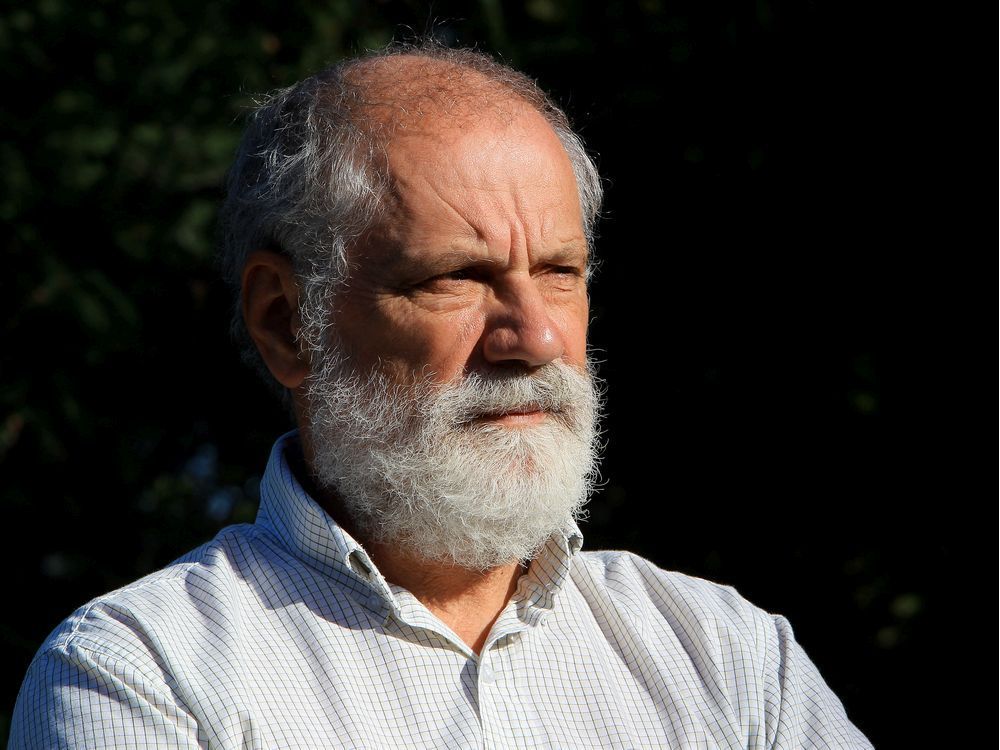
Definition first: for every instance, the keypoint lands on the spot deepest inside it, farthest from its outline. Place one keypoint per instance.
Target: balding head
(406, 90)
(311, 172)
(453, 88)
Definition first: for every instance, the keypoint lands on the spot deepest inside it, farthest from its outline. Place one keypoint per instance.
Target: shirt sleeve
(75, 698)
(802, 712)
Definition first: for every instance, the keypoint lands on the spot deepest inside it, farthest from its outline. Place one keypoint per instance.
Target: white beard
(411, 467)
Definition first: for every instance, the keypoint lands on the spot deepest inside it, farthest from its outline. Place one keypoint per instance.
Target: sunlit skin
(478, 265)
(481, 261)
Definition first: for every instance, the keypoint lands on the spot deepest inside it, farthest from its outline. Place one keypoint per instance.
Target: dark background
(786, 307)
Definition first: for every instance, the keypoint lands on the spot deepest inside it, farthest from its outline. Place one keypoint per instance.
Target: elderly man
(410, 236)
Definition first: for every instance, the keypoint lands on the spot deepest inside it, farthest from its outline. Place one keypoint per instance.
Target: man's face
(480, 262)
(454, 412)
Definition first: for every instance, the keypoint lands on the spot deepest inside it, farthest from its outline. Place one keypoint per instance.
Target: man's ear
(270, 301)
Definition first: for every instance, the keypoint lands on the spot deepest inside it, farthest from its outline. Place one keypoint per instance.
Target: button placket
(487, 675)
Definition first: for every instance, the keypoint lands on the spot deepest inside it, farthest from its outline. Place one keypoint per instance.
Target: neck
(467, 601)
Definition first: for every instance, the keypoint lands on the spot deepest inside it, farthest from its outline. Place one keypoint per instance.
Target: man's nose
(519, 327)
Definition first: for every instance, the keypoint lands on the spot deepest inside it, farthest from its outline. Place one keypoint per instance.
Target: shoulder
(122, 658)
(646, 590)
(130, 620)
(747, 657)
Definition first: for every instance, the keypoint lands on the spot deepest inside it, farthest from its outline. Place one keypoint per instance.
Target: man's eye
(445, 279)
(566, 271)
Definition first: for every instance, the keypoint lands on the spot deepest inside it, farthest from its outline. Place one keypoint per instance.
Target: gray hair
(308, 178)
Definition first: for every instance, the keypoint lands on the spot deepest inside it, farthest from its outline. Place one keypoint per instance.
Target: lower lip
(521, 418)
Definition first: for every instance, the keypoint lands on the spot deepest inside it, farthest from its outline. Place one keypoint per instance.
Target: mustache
(422, 405)
(555, 387)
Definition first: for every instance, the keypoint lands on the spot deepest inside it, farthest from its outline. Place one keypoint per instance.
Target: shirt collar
(290, 514)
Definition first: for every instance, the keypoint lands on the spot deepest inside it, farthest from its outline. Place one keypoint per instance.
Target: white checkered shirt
(283, 634)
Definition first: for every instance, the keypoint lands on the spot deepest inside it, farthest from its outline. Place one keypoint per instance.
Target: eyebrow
(569, 252)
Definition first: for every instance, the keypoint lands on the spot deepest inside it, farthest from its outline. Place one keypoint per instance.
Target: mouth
(521, 415)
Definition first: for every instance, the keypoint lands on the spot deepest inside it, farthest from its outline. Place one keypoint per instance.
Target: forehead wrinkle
(420, 98)
(412, 216)
(496, 221)
(401, 248)
(500, 192)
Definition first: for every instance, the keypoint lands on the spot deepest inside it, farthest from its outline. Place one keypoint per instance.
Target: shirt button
(487, 674)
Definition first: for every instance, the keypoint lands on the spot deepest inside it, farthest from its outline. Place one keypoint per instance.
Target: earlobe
(270, 296)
